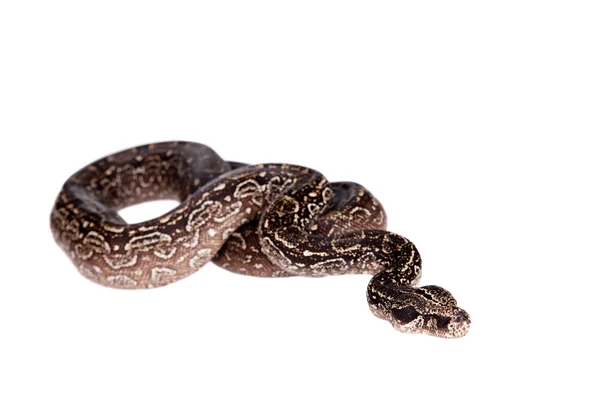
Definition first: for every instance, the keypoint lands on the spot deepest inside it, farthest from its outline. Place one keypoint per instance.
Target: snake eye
(404, 315)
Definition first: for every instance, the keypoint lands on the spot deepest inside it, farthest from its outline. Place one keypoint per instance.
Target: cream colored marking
(412, 256)
(308, 253)
(333, 264)
(241, 242)
(146, 242)
(96, 242)
(212, 232)
(347, 249)
(165, 256)
(202, 257)
(327, 195)
(193, 242)
(283, 241)
(166, 218)
(234, 208)
(117, 261)
(367, 261)
(247, 188)
(381, 217)
(161, 274)
(145, 184)
(313, 209)
(83, 252)
(227, 232)
(121, 280)
(175, 221)
(197, 217)
(360, 209)
(181, 259)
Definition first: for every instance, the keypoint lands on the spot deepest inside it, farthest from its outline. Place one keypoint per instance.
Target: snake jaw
(435, 324)
(429, 310)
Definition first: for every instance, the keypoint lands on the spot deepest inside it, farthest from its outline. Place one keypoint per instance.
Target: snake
(263, 220)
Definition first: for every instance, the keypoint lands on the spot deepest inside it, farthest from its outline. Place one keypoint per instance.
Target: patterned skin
(268, 220)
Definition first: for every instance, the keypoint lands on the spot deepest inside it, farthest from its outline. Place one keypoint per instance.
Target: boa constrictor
(269, 220)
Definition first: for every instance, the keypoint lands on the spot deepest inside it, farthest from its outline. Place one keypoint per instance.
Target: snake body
(269, 220)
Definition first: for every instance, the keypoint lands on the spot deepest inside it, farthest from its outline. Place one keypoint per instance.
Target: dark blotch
(442, 322)
(405, 315)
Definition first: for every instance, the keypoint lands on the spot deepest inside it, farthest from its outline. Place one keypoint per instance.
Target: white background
(475, 123)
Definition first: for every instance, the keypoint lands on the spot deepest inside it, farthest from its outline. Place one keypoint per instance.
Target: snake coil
(269, 220)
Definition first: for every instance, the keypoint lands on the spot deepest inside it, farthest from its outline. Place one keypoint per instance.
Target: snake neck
(290, 237)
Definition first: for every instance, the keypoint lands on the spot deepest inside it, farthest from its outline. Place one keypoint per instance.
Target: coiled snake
(270, 220)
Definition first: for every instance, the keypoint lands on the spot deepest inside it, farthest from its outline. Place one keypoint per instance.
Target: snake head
(431, 310)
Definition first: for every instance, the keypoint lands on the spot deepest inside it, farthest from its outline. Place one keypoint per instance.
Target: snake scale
(268, 220)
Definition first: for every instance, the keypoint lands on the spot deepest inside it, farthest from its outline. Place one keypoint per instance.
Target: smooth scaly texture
(269, 220)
